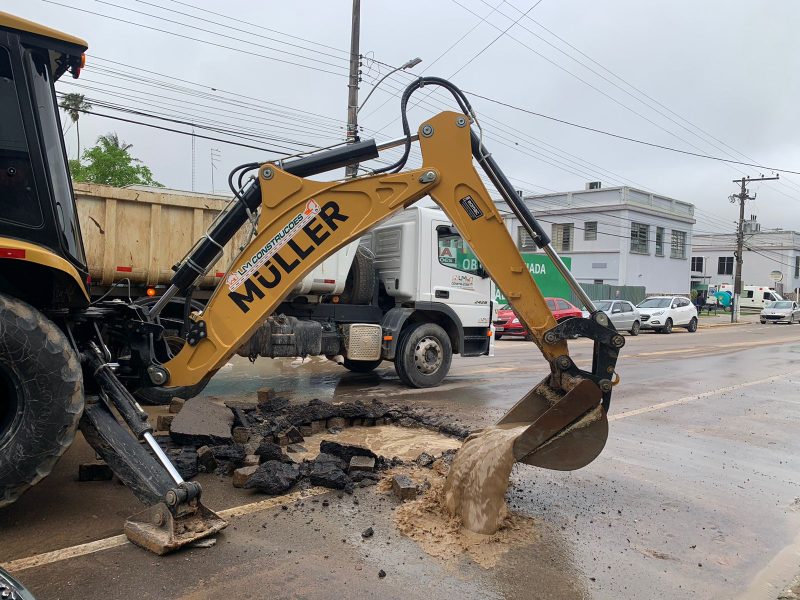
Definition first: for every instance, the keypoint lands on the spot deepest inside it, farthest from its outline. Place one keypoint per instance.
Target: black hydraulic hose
(501, 182)
(249, 199)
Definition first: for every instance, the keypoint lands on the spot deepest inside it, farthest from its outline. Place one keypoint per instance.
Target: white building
(765, 251)
(616, 236)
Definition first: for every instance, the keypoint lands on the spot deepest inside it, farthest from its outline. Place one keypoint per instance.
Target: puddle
(384, 440)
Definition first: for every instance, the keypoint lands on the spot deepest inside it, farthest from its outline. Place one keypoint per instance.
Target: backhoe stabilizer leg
(175, 516)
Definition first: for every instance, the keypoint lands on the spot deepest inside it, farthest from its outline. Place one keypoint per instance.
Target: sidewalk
(723, 319)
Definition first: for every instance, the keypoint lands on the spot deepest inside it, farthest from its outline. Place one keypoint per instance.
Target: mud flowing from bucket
(476, 484)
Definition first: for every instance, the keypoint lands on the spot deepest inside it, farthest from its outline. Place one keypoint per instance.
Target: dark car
(507, 322)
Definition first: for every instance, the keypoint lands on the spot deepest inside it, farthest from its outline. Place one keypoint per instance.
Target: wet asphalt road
(694, 496)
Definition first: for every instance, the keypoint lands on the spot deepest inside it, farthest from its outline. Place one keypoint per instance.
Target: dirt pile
(429, 523)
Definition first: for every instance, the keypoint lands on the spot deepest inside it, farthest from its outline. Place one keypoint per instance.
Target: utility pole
(352, 85)
(192, 158)
(741, 197)
(215, 156)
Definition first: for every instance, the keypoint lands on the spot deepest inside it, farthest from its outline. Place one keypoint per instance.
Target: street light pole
(407, 65)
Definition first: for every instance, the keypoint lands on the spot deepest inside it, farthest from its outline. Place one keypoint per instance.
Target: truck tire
(423, 356)
(41, 386)
(360, 285)
(362, 366)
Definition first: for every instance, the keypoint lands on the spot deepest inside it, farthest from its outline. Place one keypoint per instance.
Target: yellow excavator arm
(303, 221)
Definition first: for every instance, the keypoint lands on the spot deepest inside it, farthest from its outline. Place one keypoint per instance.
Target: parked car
(624, 315)
(782, 310)
(507, 322)
(662, 313)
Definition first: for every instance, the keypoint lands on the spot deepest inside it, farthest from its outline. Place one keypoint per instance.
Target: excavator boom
(302, 221)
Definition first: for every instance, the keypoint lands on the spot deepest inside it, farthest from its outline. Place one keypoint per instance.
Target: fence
(604, 291)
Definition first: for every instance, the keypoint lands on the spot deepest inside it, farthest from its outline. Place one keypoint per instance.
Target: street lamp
(408, 65)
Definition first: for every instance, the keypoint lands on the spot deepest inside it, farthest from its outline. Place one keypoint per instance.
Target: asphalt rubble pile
(258, 453)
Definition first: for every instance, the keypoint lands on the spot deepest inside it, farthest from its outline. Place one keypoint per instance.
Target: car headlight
(658, 312)
(515, 321)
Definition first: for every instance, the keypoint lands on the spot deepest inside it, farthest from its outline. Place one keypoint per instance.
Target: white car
(782, 310)
(662, 313)
(623, 314)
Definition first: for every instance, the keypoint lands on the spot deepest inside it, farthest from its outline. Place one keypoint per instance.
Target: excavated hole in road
(461, 508)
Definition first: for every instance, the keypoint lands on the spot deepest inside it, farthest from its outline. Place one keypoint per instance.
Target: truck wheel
(424, 354)
(361, 366)
(360, 284)
(41, 388)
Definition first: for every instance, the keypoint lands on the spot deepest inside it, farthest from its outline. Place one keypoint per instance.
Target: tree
(110, 163)
(74, 105)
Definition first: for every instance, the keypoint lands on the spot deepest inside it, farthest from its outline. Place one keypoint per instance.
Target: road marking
(686, 399)
(115, 541)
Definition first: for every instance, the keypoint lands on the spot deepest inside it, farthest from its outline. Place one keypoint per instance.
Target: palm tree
(74, 105)
(112, 140)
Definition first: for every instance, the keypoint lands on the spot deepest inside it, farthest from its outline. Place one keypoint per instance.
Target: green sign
(544, 272)
(545, 275)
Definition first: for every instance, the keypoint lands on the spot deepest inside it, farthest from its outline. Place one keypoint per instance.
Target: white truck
(754, 297)
(408, 292)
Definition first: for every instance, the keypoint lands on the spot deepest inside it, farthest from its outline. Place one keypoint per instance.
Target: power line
(212, 32)
(172, 78)
(194, 39)
(630, 139)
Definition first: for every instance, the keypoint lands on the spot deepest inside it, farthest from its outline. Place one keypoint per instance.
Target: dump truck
(68, 361)
(407, 272)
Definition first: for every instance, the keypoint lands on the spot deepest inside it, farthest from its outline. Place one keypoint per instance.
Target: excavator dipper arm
(303, 221)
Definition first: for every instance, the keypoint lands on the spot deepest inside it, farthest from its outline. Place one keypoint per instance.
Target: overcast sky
(722, 77)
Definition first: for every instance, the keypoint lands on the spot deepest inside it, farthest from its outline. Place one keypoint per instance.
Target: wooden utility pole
(741, 197)
(352, 85)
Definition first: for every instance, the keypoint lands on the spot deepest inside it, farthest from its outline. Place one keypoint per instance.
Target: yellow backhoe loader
(67, 362)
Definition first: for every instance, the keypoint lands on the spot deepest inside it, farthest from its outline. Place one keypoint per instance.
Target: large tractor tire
(360, 285)
(423, 355)
(41, 387)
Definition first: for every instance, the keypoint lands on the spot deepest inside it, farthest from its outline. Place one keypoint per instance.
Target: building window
(678, 246)
(562, 237)
(725, 265)
(697, 264)
(598, 282)
(659, 241)
(590, 230)
(639, 237)
(525, 241)
(796, 267)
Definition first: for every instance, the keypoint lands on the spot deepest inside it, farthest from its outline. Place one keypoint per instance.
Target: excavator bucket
(158, 530)
(563, 431)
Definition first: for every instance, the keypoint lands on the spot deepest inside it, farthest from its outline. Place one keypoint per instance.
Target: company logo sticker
(262, 255)
(463, 282)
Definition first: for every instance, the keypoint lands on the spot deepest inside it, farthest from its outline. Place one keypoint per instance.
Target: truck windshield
(63, 201)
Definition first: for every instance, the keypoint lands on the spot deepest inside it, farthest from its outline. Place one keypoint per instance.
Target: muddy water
(385, 440)
(475, 488)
